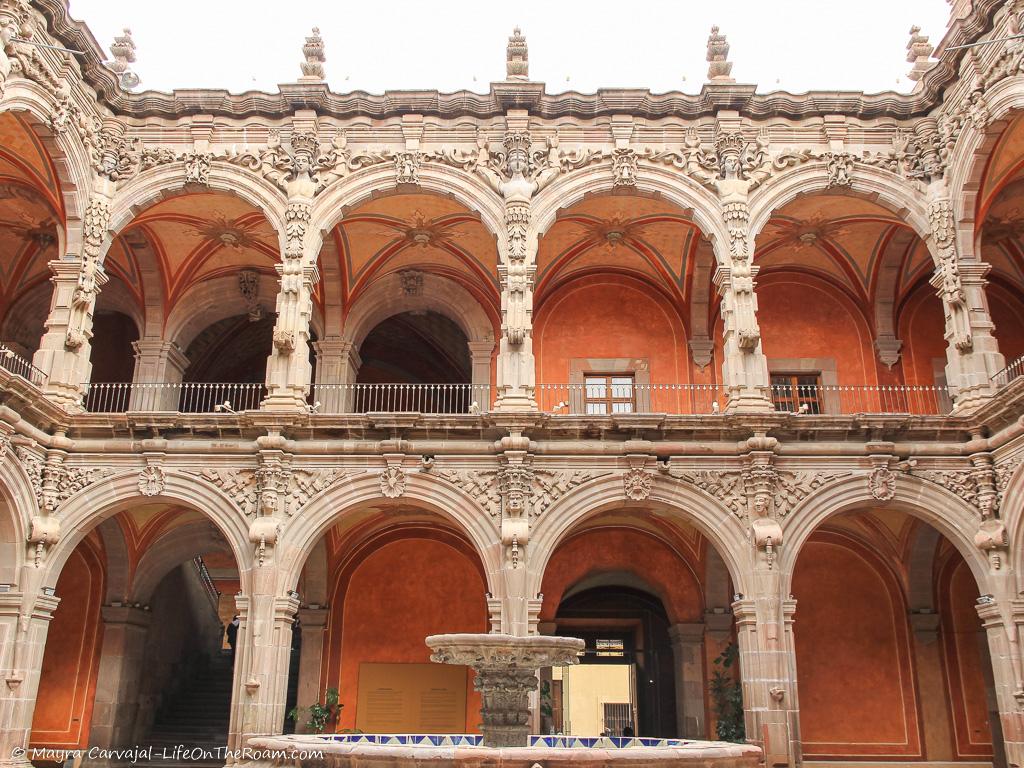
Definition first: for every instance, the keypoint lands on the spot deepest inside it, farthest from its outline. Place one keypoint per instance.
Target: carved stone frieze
(288, 488)
(53, 481)
(545, 486)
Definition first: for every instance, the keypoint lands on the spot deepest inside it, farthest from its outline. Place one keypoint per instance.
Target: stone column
(688, 655)
(64, 350)
(157, 362)
(288, 369)
(22, 642)
(312, 622)
(768, 671)
(117, 686)
(1004, 649)
(972, 354)
(261, 661)
(337, 363)
(931, 683)
(480, 356)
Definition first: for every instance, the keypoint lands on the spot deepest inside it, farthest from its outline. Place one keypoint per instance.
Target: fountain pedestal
(506, 669)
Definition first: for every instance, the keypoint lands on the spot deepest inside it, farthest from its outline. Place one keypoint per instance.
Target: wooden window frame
(609, 400)
(797, 397)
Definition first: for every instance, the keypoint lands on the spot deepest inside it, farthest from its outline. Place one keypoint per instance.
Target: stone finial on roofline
(919, 52)
(123, 49)
(517, 61)
(313, 66)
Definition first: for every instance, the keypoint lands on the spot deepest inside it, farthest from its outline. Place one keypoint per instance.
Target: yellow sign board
(411, 698)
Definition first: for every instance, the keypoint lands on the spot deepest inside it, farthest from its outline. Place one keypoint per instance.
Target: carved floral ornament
(287, 489)
(528, 490)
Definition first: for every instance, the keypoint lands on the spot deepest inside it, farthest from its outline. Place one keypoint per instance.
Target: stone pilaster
(288, 369)
(337, 362)
(261, 661)
(972, 355)
(931, 684)
(480, 357)
(22, 642)
(1004, 649)
(768, 670)
(117, 686)
(744, 366)
(157, 362)
(312, 623)
(688, 656)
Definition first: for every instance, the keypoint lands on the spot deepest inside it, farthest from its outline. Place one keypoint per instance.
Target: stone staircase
(198, 715)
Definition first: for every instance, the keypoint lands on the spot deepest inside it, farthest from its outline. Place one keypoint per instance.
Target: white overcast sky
(795, 45)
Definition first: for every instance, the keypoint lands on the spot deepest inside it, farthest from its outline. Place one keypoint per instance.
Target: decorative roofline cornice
(519, 94)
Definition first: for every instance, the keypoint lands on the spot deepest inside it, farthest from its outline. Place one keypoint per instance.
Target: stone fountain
(506, 669)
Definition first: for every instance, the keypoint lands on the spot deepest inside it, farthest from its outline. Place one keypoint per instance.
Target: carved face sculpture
(518, 162)
(730, 167)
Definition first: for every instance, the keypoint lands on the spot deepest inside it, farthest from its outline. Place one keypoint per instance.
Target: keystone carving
(392, 482)
(637, 484)
(152, 481)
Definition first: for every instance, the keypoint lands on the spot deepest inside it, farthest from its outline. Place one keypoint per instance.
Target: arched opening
(999, 219)
(31, 225)
(197, 272)
(113, 361)
(426, 354)
(836, 271)
(892, 660)
(624, 310)
(651, 598)
(136, 652)
(376, 585)
(411, 304)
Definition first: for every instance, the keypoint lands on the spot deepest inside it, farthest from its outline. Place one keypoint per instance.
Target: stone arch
(170, 550)
(151, 186)
(69, 158)
(117, 564)
(671, 185)
(670, 497)
(213, 300)
(385, 298)
(17, 506)
(967, 168)
(104, 499)
(301, 536)
(1012, 512)
(876, 185)
(950, 515)
(331, 206)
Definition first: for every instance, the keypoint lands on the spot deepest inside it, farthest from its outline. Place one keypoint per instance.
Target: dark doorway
(621, 625)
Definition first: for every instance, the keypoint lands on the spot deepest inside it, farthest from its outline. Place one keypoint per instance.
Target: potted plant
(320, 715)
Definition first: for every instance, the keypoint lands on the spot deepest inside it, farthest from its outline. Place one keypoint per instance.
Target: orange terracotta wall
(922, 327)
(610, 317)
(67, 685)
(803, 317)
(623, 550)
(399, 594)
(963, 636)
(853, 657)
(1007, 310)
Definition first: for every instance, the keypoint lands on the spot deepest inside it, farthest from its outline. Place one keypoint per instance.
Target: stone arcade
(676, 374)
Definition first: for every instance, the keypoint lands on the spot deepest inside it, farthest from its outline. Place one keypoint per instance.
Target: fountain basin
(466, 751)
(506, 673)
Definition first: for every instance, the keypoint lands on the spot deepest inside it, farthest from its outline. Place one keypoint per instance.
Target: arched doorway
(625, 679)
(136, 652)
(651, 598)
(375, 586)
(892, 660)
